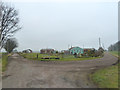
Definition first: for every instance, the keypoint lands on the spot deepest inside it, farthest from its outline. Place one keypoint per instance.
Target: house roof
(73, 47)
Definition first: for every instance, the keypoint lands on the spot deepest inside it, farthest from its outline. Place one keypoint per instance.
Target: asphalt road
(23, 73)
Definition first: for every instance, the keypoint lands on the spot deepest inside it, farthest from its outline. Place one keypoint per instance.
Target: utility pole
(99, 43)
(103, 46)
(71, 45)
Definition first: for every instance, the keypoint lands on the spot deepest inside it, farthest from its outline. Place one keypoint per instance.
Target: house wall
(76, 50)
(46, 51)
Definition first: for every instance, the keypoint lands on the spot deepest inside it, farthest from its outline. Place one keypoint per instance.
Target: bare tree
(10, 45)
(9, 21)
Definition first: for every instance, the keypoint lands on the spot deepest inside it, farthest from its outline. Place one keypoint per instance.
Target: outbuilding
(76, 50)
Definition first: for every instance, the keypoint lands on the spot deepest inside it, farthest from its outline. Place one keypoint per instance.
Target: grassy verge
(33, 56)
(108, 77)
(4, 61)
(115, 53)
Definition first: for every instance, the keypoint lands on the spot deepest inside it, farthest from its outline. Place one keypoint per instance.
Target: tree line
(114, 47)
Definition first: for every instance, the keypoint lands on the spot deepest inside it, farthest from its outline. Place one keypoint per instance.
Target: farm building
(47, 51)
(76, 50)
(27, 51)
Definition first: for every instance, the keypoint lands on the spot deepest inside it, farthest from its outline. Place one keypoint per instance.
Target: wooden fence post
(37, 55)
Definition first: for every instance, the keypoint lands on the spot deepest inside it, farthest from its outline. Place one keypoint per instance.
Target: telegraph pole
(99, 43)
(71, 45)
(103, 46)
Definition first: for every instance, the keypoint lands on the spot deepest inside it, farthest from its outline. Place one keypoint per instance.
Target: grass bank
(115, 53)
(33, 56)
(4, 61)
(107, 77)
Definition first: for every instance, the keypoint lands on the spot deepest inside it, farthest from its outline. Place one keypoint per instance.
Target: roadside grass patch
(115, 53)
(33, 56)
(106, 78)
(4, 61)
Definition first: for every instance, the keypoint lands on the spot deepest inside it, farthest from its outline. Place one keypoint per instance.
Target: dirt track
(23, 73)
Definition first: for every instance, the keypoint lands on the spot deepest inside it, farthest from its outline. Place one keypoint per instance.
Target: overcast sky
(61, 24)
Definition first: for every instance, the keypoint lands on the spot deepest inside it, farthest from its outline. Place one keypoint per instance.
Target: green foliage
(57, 52)
(90, 53)
(10, 45)
(114, 47)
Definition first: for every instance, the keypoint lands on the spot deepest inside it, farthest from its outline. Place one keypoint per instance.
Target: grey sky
(57, 25)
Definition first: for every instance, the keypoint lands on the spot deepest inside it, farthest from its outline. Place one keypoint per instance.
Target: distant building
(66, 52)
(27, 51)
(47, 51)
(76, 50)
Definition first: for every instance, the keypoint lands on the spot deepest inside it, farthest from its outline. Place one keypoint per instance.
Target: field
(115, 53)
(33, 56)
(108, 77)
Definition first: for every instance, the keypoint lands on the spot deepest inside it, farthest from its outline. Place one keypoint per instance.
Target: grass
(115, 53)
(33, 56)
(107, 77)
(4, 61)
